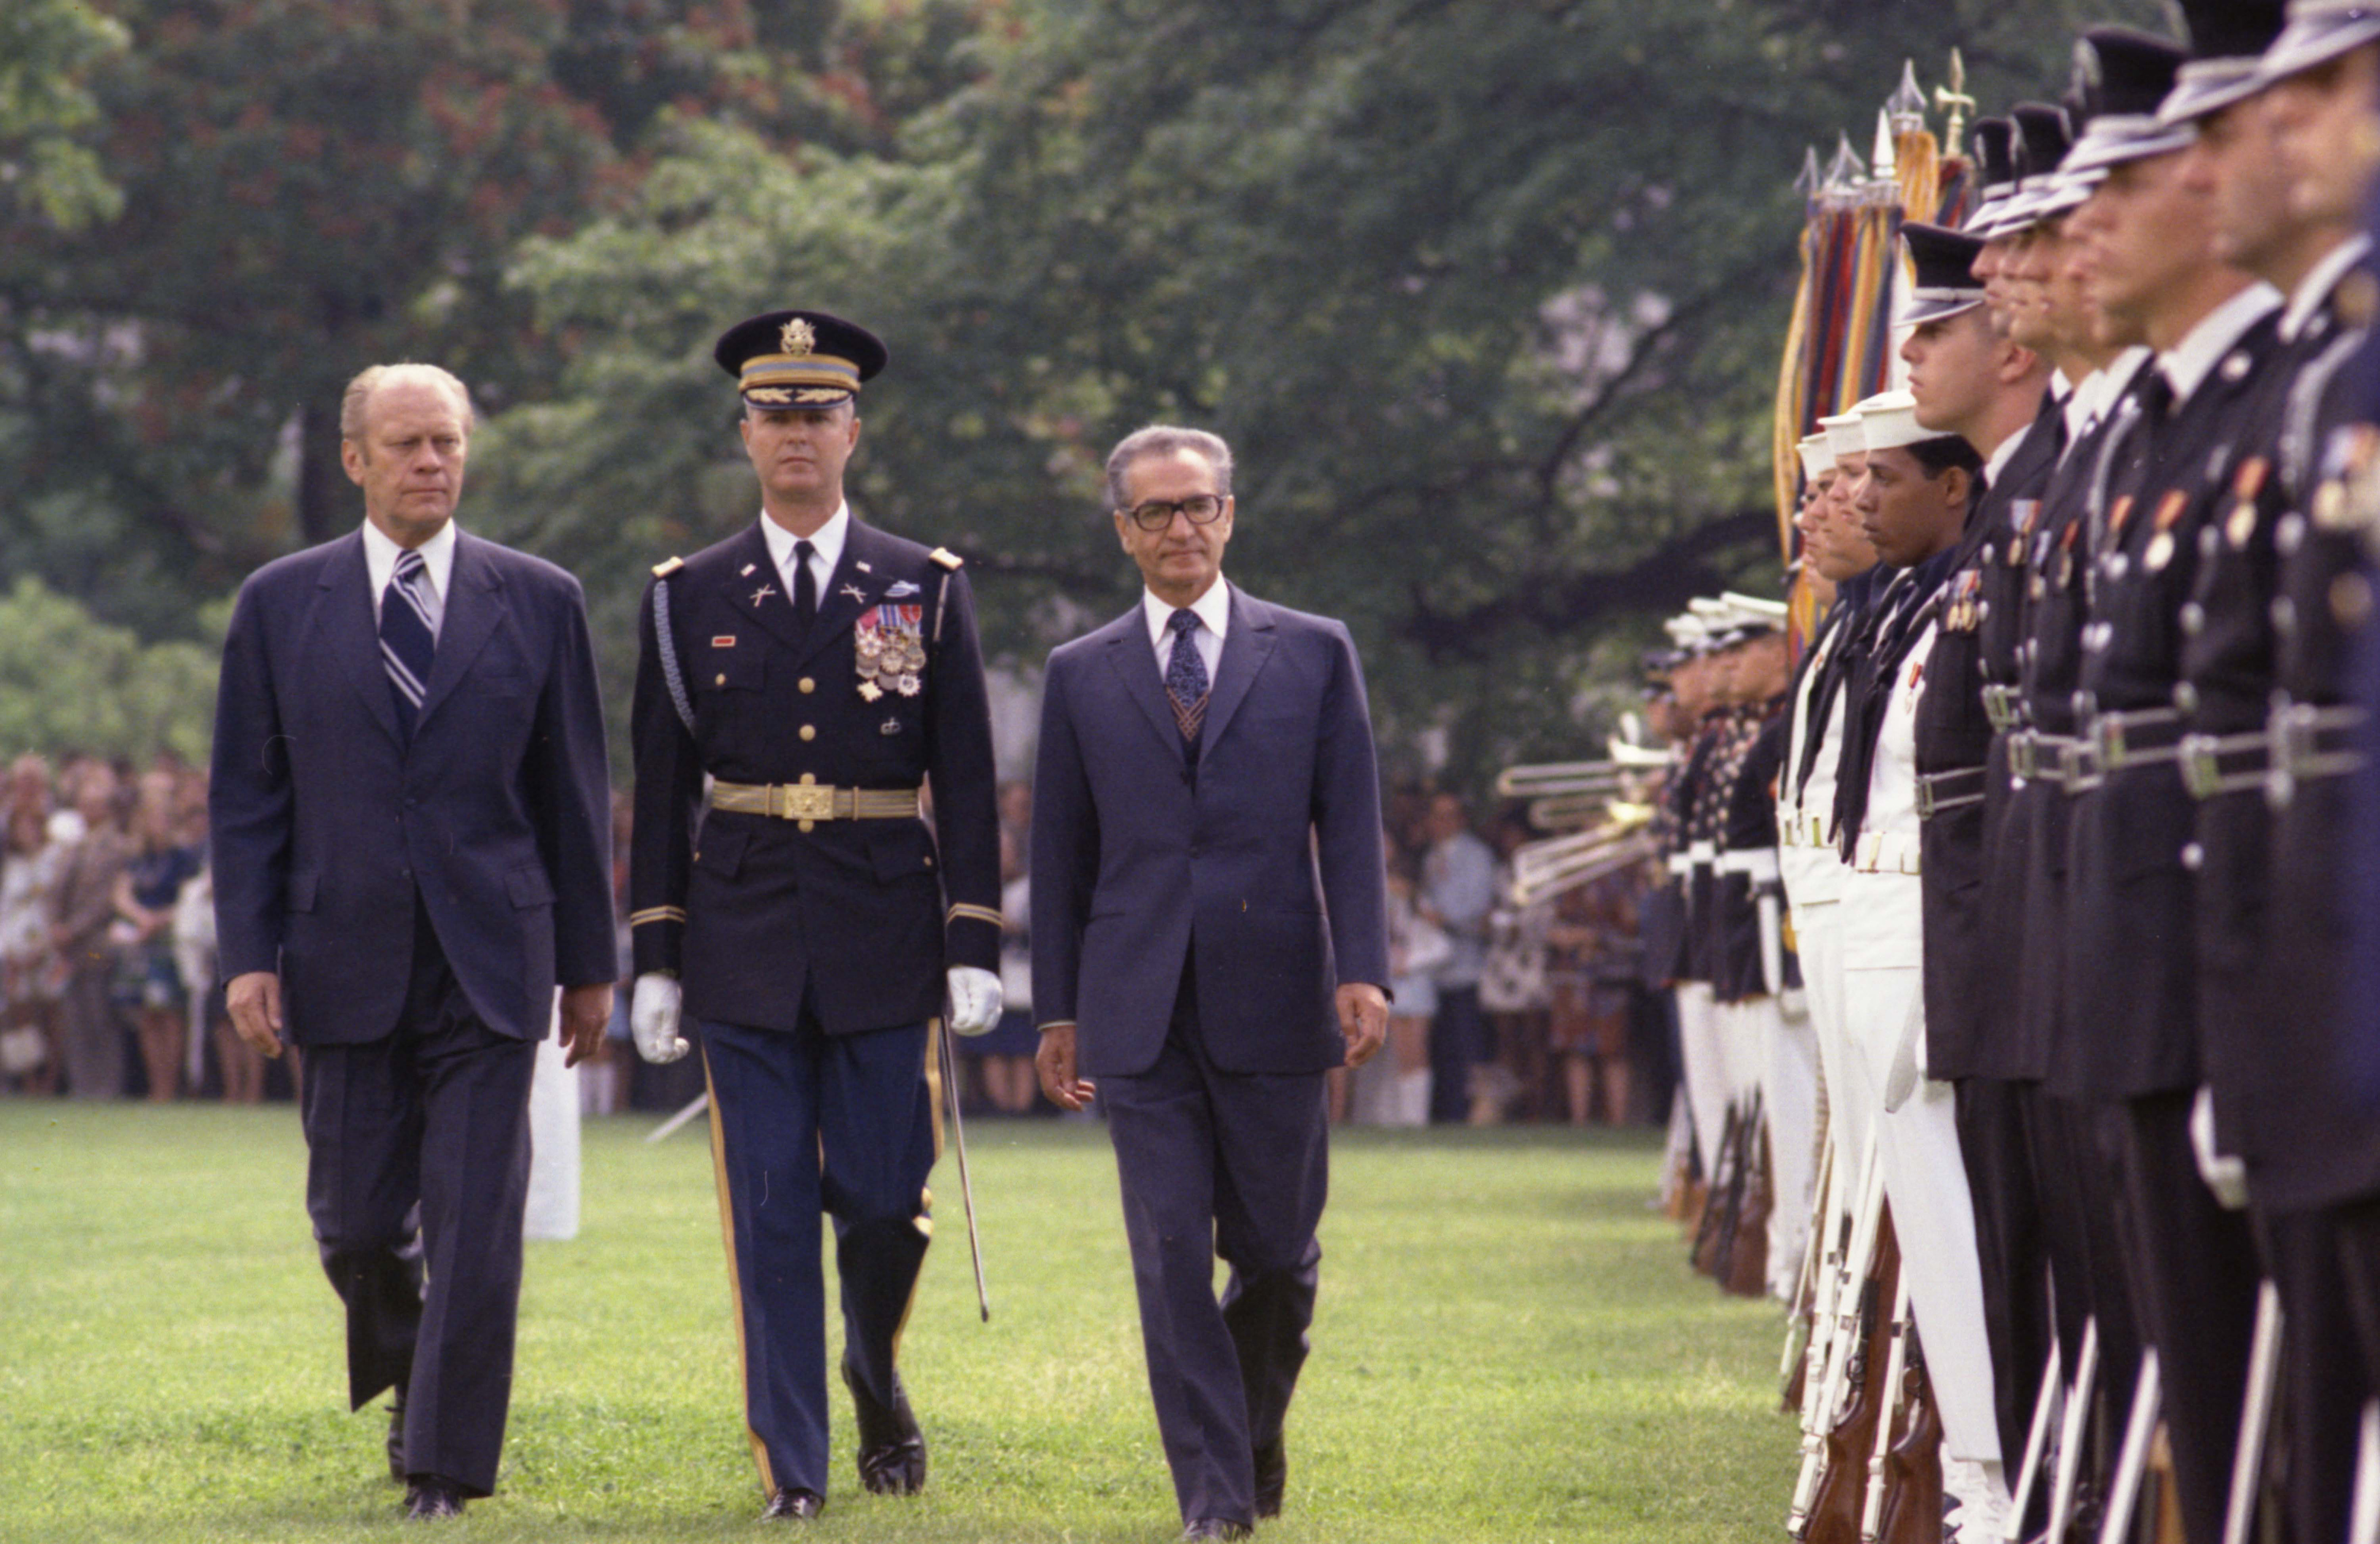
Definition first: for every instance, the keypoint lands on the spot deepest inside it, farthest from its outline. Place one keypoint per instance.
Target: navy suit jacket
(326, 825)
(1266, 852)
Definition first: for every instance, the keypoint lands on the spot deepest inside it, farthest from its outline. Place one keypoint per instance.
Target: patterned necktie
(1185, 675)
(805, 586)
(408, 636)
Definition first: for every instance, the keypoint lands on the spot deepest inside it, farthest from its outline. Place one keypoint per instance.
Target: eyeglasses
(1204, 509)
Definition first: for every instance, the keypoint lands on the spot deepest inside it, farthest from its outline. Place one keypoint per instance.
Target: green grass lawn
(1509, 1347)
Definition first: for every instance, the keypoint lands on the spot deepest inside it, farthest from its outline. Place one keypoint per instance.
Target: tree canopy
(1488, 299)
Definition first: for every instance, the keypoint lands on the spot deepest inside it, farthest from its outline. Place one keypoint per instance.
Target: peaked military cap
(1945, 260)
(2319, 31)
(2043, 135)
(799, 358)
(2125, 77)
(1993, 149)
(2227, 39)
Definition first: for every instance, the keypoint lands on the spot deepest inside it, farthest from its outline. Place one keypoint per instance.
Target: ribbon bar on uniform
(814, 801)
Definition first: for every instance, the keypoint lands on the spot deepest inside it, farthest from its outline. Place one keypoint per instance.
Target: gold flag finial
(1953, 100)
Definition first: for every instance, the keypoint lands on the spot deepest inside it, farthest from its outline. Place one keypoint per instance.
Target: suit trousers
(1214, 1162)
(801, 1125)
(1458, 1042)
(2194, 1273)
(2012, 1247)
(418, 1153)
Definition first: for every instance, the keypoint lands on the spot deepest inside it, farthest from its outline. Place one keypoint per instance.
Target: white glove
(2224, 1174)
(1907, 1072)
(975, 1000)
(652, 1018)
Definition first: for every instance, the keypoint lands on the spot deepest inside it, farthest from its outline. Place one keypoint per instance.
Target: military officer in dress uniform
(801, 685)
(1701, 1052)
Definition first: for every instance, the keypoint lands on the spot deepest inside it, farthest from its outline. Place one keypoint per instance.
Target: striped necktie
(408, 636)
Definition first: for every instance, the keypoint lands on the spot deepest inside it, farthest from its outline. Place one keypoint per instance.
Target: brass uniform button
(808, 732)
(805, 825)
(808, 686)
(722, 679)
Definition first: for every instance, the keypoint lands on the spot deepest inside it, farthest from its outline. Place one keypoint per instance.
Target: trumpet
(1546, 868)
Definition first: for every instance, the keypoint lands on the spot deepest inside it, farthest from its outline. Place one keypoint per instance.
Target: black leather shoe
(790, 1506)
(1215, 1527)
(430, 1499)
(892, 1449)
(1272, 1477)
(396, 1440)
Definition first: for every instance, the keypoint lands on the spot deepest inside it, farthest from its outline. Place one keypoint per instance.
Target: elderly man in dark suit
(411, 828)
(1208, 939)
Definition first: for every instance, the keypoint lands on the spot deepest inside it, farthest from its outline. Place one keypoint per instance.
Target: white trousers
(1789, 1093)
(1818, 937)
(1702, 1058)
(1933, 1214)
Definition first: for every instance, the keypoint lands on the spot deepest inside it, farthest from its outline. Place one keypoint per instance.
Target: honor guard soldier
(2252, 1045)
(801, 687)
(1971, 379)
(1914, 499)
(1837, 557)
(1680, 956)
(2130, 977)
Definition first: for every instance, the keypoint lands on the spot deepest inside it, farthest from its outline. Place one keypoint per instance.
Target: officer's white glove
(652, 1018)
(975, 1000)
(2224, 1174)
(1907, 1071)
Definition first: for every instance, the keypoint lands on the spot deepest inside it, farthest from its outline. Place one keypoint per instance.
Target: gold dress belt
(807, 802)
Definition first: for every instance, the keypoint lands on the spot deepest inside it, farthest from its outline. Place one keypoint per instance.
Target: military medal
(889, 650)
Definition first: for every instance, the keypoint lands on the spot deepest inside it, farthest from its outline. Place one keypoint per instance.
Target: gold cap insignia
(797, 337)
(821, 393)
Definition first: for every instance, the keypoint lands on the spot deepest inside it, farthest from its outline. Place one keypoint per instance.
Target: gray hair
(357, 402)
(1161, 439)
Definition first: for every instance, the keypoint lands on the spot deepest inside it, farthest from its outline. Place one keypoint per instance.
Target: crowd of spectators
(107, 937)
(1502, 1013)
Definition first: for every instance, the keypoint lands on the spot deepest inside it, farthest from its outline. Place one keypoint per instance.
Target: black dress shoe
(429, 1499)
(892, 1449)
(1215, 1527)
(1272, 1477)
(791, 1506)
(396, 1440)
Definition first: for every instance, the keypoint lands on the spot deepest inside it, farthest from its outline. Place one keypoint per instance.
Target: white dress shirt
(826, 550)
(2315, 288)
(1214, 613)
(437, 564)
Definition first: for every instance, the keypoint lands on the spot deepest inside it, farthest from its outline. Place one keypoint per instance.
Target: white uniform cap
(1843, 437)
(1889, 421)
(1818, 455)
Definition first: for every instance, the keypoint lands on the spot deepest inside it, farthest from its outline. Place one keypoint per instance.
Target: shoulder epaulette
(663, 570)
(946, 557)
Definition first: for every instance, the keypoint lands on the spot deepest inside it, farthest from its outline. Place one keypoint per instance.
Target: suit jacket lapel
(1129, 653)
(343, 617)
(1245, 647)
(475, 603)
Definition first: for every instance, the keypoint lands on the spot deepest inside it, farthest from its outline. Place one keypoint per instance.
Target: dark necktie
(804, 586)
(408, 636)
(1185, 675)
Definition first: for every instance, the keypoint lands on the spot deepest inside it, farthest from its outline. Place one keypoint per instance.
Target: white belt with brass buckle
(1885, 852)
(810, 802)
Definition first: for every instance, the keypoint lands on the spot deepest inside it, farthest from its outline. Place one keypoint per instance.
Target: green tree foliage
(71, 683)
(1487, 298)
(47, 49)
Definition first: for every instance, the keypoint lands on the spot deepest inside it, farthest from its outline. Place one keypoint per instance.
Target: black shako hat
(799, 358)
(1945, 260)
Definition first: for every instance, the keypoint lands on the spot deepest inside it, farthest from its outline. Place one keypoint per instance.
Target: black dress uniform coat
(863, 914)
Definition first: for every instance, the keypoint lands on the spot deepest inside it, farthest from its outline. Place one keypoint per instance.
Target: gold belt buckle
(804, 801)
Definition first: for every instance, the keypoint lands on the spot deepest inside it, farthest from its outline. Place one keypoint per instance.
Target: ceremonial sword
(966, 1185)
